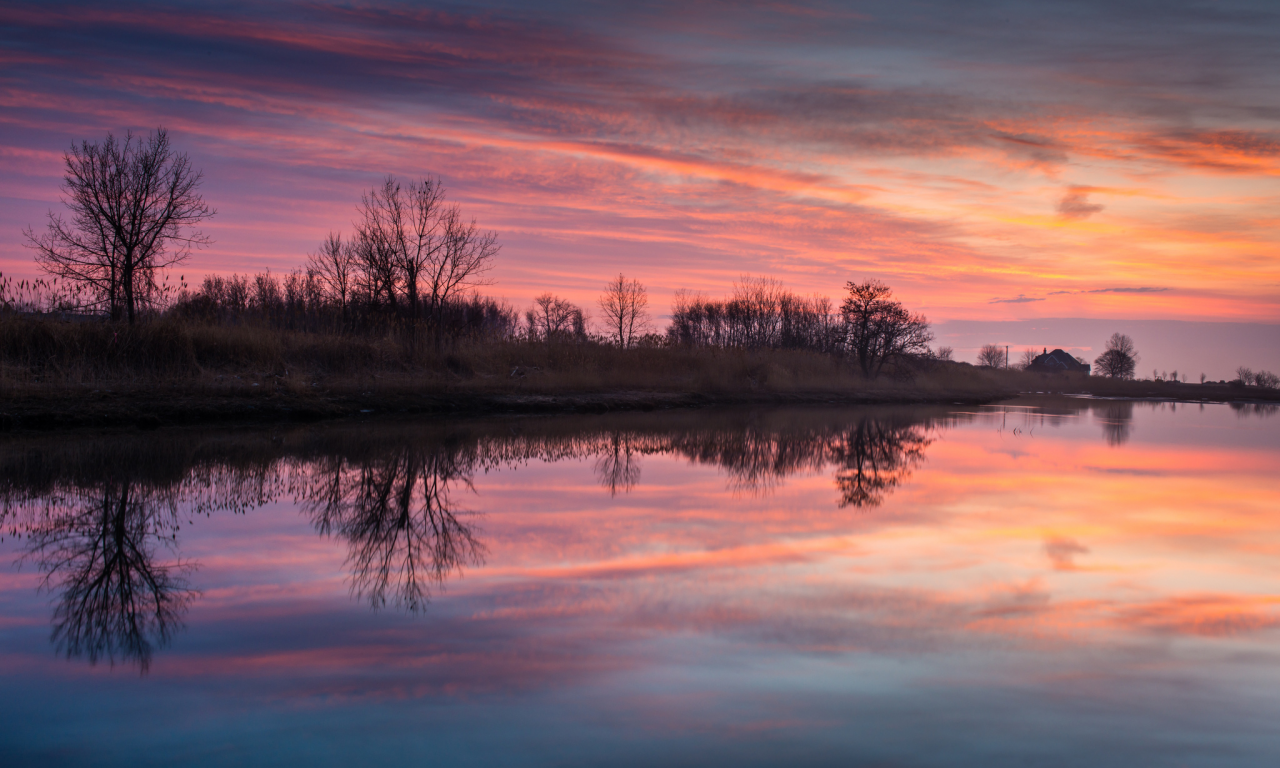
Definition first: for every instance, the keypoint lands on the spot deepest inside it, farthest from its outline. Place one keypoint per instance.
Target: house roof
(1058, 360)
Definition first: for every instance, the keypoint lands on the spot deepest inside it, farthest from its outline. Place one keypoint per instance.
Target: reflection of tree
(755, 458)
(117, 600)
(395, 511)
(617, 464)
(874, 457)
(1255, 409)
(95, 513)
(98, 516)
(1116, 418)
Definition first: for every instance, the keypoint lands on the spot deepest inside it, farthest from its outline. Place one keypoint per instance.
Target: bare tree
(624, 303)
(1028, 357)
(1120, 359)
(133, 204)
(1244, 375)
(379, 234)
(552, 317)
(418, 234)
(335, 265)
(409, 243)
(460, 263)
(878, 329)
(991, 356)
(1266, 380)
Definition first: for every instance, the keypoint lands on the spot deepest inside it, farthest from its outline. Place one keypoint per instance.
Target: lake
(1050, 581)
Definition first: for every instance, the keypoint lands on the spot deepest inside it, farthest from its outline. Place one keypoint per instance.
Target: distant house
(1057, 361)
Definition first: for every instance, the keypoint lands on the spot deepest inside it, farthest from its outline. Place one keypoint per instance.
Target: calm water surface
(1064, 582)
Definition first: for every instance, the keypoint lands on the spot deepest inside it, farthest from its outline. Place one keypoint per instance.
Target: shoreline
(73, 409)
(153, 410)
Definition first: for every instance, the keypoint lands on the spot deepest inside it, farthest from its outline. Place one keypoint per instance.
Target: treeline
(1262, 379)
(759, 313)
(301, 301)
(411, 267)
(412, 262)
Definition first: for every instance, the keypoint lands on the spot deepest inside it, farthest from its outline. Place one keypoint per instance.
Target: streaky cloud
(1019, 299)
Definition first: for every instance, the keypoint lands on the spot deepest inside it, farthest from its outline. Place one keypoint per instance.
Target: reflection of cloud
(1075, 204)
(1204, 615)
(1062, 552)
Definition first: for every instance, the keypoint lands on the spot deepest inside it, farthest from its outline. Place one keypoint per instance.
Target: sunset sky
(998, 164)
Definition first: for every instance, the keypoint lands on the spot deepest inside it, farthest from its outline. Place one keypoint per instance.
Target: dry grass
(51, 359)
(65, 374)
(46, 354)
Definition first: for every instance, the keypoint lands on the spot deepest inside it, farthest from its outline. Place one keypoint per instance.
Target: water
(1055, 582)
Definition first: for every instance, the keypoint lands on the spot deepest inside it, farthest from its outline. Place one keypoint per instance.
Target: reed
(48, 353)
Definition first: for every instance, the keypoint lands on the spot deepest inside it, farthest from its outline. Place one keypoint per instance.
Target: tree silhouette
(992, 356)
(1116, 418)
(117, 600)
(1120, 359)
(875, 457)
(617, 465)
(878, 330)
(624, 304)
(132, 204)
(396, 513)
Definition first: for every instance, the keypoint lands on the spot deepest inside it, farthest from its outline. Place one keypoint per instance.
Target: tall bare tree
(465, 254)
(420, 238)
(133, 204)
(410, 244)
(624, 304)
(878, 330)
(1120, 360)
(379, 233)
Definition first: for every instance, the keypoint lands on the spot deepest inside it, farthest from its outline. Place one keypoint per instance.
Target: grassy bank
(59, 374)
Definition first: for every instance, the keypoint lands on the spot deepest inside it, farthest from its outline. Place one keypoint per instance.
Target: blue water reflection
(1055, 582)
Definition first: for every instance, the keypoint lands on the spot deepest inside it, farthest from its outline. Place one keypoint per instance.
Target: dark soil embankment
(150, 408)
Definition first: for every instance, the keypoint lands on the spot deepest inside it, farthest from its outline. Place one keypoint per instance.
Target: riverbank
(249, 402)
(147, 408)
(57, 375)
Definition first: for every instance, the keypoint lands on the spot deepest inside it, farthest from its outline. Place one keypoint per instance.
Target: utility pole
(1006, 355)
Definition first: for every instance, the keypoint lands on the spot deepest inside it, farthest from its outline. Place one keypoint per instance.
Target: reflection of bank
(101, 518)
(1114, 416)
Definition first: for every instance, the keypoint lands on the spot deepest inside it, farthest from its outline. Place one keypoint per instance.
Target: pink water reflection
(1019, 565)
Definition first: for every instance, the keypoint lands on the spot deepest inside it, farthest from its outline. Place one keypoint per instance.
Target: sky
(993, 162)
